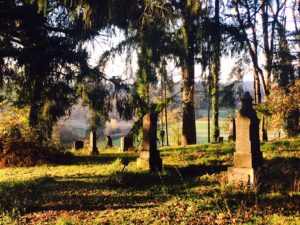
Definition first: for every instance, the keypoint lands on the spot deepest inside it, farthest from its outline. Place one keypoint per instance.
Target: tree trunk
(216, 74)
(257, 93)
(208, 114)
(263, 132)
(267, 50)
(296, 13)
(292, 123)
(252, 47)
(34, 102)
(268, 55)
(188, 119)
(188, 75)
(166, 116)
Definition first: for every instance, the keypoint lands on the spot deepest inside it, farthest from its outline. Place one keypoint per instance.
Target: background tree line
(44, 62)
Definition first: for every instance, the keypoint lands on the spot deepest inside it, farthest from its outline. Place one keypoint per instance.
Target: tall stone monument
(78, 145)
(126, 143)
(150, 156)
(93, 143)
(247, 157)
(220, 139)
(232, 130)
(108, 141)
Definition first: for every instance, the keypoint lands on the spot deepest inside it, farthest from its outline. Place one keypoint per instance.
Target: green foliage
(283, 102)
(22, 145)
(42, 60)
(97, 123)
(283, 69)
(146, 73)
(63, 221)
(11, 218)
(14, 127)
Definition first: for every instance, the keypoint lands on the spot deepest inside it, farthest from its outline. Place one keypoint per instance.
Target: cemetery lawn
(192, 189)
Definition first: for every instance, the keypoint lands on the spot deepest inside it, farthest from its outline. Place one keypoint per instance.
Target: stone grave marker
(247, 157)
(232, 130)
(162, 137)
(93, 143)
(150, 156)
(108, 141)
(78, 144)
(126, 143)
(220, 139)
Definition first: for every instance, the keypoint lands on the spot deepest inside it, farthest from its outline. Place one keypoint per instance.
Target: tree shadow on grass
(196, 170)
(277, 189)
(280, 174)
(117, 191)
(292, 162)
(285, 145)
(283, 203)
(101, 194)
(100, 159)
(46, 194)
(91, 200)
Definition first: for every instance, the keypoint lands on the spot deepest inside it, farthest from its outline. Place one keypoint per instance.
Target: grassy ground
(192, 189)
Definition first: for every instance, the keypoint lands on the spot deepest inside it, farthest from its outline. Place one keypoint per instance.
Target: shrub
(21, 145)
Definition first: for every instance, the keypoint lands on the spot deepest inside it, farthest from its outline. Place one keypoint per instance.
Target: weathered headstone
(93, 143)
(247, 157)
(150, 156)
(122, 144)
(162, 137)
(220, 139)
(108, 141)
(126, 143)
(78, 145)
(232, 130)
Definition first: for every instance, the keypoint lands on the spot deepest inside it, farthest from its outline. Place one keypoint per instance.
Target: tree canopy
(44, 63)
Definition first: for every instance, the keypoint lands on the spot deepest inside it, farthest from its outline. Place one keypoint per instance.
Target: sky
(117, 66)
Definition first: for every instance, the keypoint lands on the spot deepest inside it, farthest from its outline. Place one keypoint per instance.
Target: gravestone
(150, 156)
(247, 158)
(93, 143)
(162, 137)
(108, 141)
(220, 139)
(232, 130)
(78, 145)
(126, 143)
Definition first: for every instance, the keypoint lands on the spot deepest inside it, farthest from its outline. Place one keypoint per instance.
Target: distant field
(223, 113)
(201, 129)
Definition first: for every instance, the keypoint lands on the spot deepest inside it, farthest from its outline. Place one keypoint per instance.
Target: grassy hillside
(192, 189)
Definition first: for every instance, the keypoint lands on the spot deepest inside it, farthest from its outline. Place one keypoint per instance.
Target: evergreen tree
(47, 57)
(284, 74)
